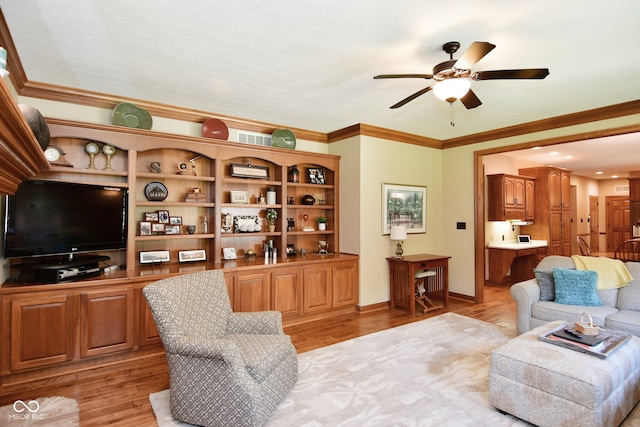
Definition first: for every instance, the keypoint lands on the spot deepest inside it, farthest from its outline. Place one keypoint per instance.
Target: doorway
(594, 224)
(617, 216)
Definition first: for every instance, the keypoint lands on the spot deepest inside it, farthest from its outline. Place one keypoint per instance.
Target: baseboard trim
(373, 307)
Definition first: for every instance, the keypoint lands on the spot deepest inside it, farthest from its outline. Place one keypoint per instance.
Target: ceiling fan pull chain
(451, 122)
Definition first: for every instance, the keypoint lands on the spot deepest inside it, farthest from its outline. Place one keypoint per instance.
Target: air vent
(254, 138)
(621, 189)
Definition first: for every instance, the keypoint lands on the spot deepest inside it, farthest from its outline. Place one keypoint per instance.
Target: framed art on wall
(404, 205)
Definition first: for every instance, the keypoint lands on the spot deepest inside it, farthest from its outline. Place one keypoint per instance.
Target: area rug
(430, 373)
(45, 411)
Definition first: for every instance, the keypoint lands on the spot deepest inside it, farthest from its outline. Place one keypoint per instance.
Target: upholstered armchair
(225, 368)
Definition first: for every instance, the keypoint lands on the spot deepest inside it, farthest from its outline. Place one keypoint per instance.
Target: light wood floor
(119, 395)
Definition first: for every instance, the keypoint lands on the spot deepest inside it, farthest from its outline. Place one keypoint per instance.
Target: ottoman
(549, 385)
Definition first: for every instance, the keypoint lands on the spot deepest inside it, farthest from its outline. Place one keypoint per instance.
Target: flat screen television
(58, 218)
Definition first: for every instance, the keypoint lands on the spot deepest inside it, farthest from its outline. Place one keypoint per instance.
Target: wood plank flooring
(119, 394)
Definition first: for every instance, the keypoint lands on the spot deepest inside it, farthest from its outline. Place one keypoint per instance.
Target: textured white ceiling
(310, 64)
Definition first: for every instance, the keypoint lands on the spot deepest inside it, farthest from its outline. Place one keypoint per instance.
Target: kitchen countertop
(513, 245)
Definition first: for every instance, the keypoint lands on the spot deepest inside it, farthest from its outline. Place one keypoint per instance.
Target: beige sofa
(620, 309)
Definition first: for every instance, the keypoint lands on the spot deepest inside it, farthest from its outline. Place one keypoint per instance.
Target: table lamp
(398, 233)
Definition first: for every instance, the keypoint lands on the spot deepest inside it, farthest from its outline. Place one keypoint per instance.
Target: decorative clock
(55, 156)
(109, 151)
(92, 149)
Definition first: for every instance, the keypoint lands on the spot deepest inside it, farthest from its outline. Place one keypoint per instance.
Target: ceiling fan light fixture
(451, 90)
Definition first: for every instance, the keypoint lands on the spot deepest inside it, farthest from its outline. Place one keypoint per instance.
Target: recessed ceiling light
(553, 153)
(614, 176)
(536, 148)
(599, 173)
(568, 157)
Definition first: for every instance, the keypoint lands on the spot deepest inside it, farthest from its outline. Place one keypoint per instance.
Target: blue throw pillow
(546, 285)
(576, 287)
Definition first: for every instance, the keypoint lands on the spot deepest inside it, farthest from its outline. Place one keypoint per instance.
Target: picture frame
(151, 216)
(193, 255)
(154, 257)
(163, 217)
(246, 224)
(157, 228)
(229, 253)
(145, 228)
(175, 220)
(291, 250)
(404, 205)
(316, 175)
(172, 229)
(248, 171)
(239, 197)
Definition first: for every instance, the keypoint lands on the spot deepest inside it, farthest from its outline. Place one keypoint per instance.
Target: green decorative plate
(125, 114)
(283, 138)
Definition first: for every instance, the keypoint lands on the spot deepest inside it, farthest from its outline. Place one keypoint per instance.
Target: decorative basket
(586, 328)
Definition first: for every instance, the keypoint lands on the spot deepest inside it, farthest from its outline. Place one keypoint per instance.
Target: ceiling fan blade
(473, 54)
(403, 76)
(529, 73)
(470, 100)
(412, 97)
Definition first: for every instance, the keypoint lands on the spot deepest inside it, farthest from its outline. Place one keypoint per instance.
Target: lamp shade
(398, 232)
(452, 89)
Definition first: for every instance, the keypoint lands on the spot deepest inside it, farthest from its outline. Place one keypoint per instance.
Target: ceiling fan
(453, 76)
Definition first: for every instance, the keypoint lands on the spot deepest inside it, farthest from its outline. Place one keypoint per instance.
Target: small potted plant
(322, 223)
(272, 215)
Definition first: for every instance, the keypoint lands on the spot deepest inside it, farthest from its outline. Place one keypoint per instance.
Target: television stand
(65, 270)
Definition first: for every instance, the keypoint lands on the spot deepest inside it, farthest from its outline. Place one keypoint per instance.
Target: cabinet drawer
(525, 252)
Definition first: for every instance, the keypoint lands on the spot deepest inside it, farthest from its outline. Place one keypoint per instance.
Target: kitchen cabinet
(510, 197)
(552, 210)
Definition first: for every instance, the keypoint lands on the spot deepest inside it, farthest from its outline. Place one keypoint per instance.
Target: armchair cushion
(262, 353)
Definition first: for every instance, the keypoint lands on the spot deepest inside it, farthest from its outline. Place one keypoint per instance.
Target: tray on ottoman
(549, 385)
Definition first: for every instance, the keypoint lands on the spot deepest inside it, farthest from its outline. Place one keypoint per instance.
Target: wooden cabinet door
(317, 283)
(514, 192)
(345, 284)
(251, 292)
(634, 189)
(41, 331)
(148, 331)
(555, 233)
(555, 189)
(566, 232)
(529, 199)
(286, 292)
(106, 320)
(565, 185)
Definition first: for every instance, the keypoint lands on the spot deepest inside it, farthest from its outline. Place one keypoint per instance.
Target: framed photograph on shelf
(171, 229)
(175, 220)
(151, 216)
(229, 253)
(404, 205)
(153, 257)
(157, 228)
(316, 175)
(163, 217)
(145, 228)
(239, 197)
(291, 249)
(195, 255)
